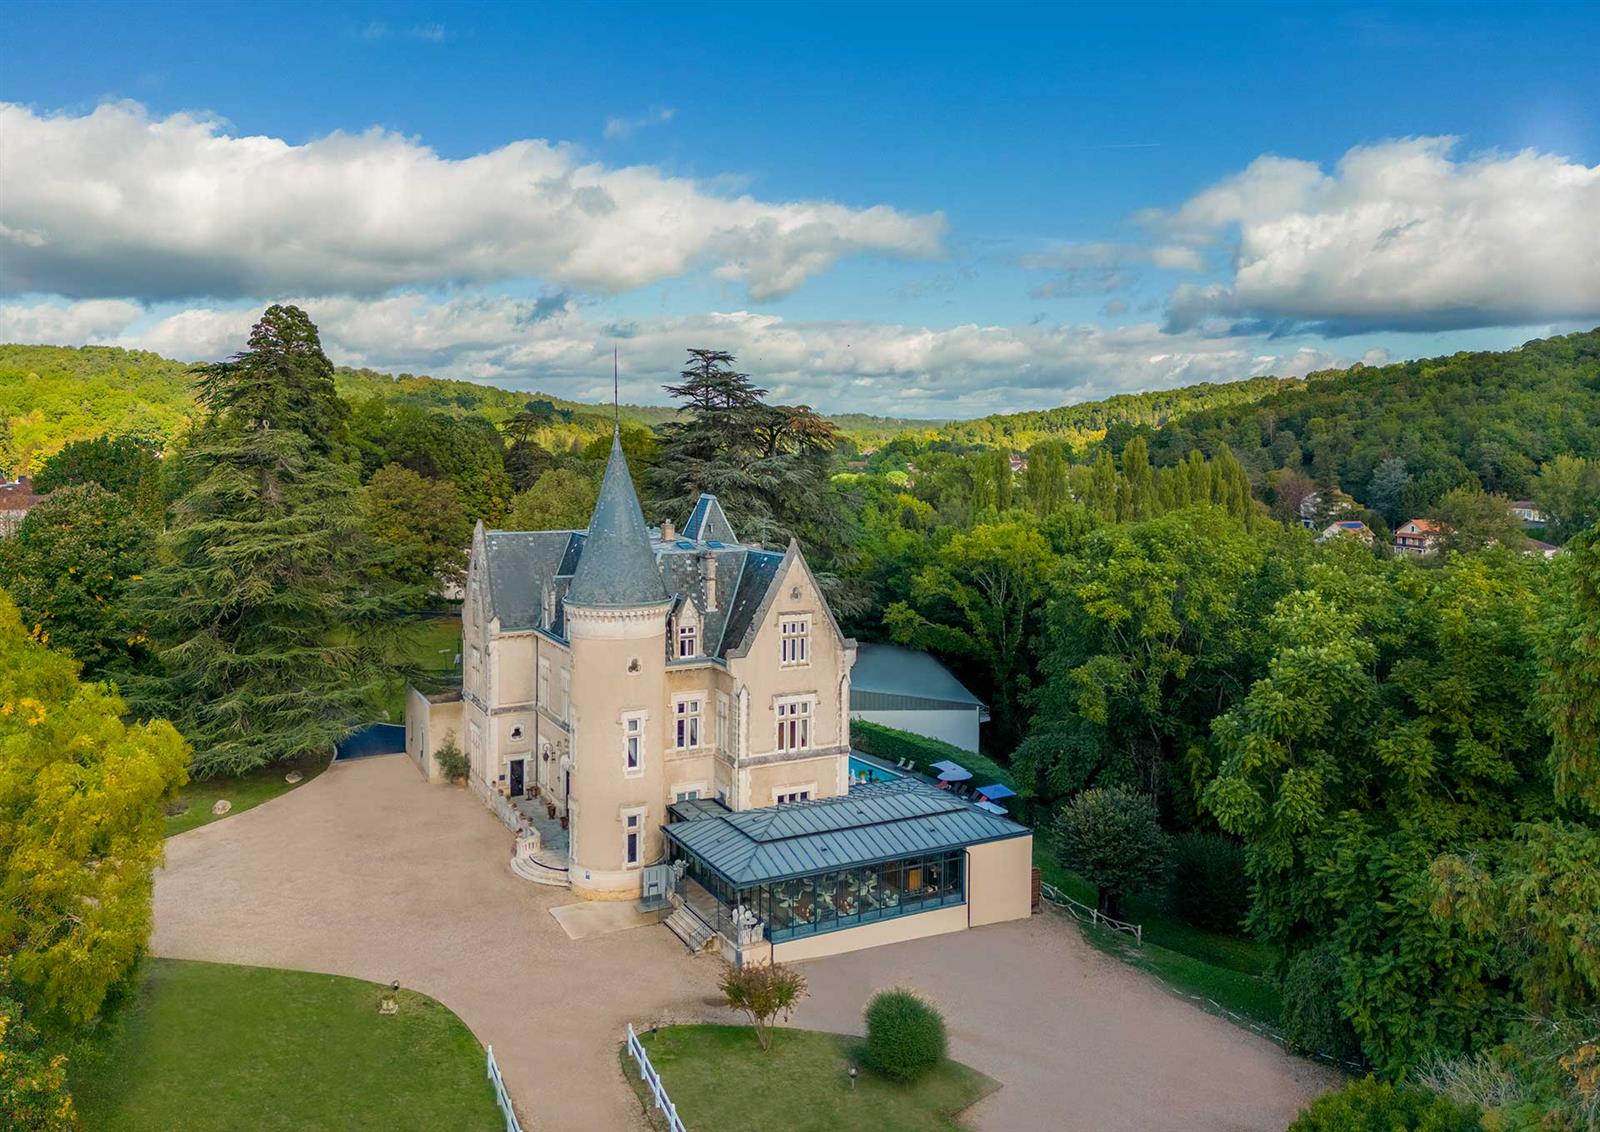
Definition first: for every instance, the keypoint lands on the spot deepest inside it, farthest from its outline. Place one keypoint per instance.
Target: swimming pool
(863, 771)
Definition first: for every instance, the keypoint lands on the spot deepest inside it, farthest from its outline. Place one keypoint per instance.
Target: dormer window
(688, 641)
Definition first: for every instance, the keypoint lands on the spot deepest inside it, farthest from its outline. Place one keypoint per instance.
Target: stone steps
(529, 868)
(691, 929)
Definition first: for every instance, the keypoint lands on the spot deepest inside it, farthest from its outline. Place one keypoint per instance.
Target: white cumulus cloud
(1400, 235)
(116, 202)
(66, 324)
(559, 345)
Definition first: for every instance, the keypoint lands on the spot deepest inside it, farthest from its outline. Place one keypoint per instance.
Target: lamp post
(852, 1076)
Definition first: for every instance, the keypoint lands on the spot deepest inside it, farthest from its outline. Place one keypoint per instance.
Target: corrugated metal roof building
(911, 691)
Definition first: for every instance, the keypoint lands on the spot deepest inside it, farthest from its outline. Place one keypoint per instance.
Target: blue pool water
(863, 771)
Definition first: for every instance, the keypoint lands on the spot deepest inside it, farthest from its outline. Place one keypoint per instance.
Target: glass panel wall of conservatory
(847, 897)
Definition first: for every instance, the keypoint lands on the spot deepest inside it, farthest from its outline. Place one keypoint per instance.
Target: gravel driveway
(367, 871)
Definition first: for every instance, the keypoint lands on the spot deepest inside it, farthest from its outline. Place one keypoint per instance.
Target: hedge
(887, 743)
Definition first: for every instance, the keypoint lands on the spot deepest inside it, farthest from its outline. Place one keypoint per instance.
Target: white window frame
(632, 818)
(794, 724)
(794, 640)
(566, 695)
(688, 635)
(722, 721)
(634, 727)
(788, 795)
(688, 791)
(688, 728)
(544, 684)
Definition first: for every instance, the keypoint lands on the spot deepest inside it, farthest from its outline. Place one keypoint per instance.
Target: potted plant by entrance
(549, 808)
(563, 821)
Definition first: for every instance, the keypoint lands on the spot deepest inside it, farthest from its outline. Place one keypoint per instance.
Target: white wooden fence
(1089, 914)
(501, 1096)
(647, 1074)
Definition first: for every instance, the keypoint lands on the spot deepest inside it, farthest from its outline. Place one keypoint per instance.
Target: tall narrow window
(633, 830)
(795, 635)
(633, 744)
(794, 725)
(687, 723)
(544, 684)
(566, 695)
(722, 721)
(687, 637)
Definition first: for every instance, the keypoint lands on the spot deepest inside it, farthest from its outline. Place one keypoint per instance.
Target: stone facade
(612, 671)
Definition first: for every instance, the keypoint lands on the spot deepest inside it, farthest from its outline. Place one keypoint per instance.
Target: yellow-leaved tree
(81, 791)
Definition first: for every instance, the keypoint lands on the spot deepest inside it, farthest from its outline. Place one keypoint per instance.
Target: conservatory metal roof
(877, 822)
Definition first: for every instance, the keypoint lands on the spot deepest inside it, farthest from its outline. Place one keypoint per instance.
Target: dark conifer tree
(265, 609)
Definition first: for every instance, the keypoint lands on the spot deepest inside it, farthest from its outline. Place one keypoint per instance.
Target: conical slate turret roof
(618, 568)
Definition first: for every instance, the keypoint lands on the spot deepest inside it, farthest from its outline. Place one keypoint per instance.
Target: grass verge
(244, 791)
(1229, 969)
(719, 1078)
(208, 1046)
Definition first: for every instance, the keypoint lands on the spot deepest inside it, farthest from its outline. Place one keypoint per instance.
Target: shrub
(1209, 887)
(1311, 1019)
(905, 1035)
(763, 991)
(1377, 1106)
(451, 759)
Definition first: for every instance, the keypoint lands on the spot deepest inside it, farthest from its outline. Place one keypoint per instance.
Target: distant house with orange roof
(1418, 537)
(16, 499)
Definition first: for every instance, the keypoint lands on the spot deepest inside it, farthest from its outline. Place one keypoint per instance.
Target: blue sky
(952, 208)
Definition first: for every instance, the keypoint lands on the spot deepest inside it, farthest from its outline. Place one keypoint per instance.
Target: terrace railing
(652, 1081)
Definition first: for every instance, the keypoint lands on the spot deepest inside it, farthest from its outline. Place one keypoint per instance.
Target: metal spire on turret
(618, 566)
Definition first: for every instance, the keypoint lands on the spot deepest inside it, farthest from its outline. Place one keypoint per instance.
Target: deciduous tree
(69, 568)
(1112, 838)
(762, 991)
(421, 523)
(82, 793)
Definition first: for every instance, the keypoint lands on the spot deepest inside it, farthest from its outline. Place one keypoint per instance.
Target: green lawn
(428, 643)
(1231, 969)
(208, 1046)
(245, 790)
(721, 1081)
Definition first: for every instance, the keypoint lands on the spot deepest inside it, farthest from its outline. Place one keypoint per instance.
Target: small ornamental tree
(1111, 837)
(452, 759)
(763, 991)
(905, 1035)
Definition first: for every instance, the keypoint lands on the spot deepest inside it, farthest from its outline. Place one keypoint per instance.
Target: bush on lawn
(1311, 1019)
(1209, 887)
(905, 1035)
(1377, 1106)
(452, 760)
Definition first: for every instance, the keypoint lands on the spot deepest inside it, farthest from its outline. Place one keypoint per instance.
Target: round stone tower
(616, 612)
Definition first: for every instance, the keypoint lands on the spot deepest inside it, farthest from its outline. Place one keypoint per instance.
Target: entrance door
(516, 777)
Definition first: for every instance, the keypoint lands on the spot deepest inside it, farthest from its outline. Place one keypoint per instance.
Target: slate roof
(520, 566)
(887, 677)
(619, 561)
(707, 523)
(619, 568)
(879, 822)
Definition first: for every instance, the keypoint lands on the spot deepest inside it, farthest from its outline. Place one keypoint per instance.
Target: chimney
(708, 563)
(667, 533)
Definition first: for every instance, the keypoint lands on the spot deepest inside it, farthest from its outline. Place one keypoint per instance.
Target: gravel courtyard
(368, 871)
